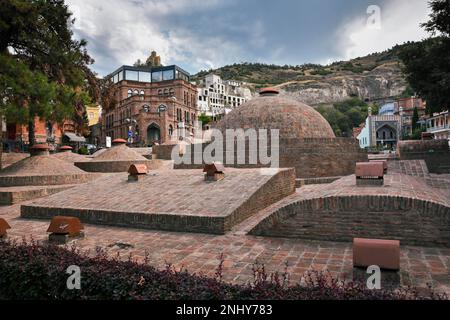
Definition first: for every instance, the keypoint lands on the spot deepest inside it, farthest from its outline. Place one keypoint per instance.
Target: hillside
(373, 77)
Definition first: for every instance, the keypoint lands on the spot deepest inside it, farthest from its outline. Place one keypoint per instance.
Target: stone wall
(436, 153)
(412, 221)
(311, 158)
(11, 196)
(118, 166)
(13, 181)
(278, 187)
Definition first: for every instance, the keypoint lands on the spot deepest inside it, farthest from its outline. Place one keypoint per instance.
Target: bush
(33, 271)
(83, 150)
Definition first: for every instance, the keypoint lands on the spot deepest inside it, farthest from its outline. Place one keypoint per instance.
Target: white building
(383, 130)
(439, 125)
(217, 97)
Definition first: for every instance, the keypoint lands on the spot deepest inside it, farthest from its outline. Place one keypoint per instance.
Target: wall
(311, 158)
(436, 153)
(412, 221)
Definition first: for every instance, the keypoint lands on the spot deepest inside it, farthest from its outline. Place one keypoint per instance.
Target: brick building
(405, 108)
(151, 103)
(15, 135)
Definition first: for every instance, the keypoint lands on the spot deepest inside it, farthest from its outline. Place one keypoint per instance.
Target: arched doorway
(153, 134)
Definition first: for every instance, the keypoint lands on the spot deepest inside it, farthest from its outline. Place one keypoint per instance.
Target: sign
(108, 142)
(130, 133)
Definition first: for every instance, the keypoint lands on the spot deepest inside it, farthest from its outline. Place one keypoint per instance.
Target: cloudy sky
(203, 34)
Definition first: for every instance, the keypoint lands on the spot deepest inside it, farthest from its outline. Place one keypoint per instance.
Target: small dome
(270, 111)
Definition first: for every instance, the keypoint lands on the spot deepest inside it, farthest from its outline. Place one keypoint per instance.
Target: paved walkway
(200, 253)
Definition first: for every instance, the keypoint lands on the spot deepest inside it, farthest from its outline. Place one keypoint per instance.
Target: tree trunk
(31, 133)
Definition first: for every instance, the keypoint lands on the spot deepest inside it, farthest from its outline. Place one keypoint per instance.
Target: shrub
(33, 271)
(83, 150)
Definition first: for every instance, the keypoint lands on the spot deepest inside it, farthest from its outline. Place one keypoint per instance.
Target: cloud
(399, 21)
(199, 34)
(120, 32)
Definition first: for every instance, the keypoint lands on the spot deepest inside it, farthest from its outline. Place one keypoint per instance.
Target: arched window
(170, 130)
(130, 93)
(136, 92)
(166, 92)
(171, 92)
(159, 92)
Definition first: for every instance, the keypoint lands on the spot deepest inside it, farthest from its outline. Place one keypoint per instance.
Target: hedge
(29, 270)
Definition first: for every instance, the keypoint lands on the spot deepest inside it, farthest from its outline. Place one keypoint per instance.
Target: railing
(438, 128)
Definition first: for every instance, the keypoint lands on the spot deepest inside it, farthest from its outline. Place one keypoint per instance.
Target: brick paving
(200, 253)
(188, 203)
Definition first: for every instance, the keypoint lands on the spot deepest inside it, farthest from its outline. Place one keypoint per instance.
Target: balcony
(438, 128)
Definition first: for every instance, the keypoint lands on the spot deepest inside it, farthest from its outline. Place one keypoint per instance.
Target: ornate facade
(151, 103)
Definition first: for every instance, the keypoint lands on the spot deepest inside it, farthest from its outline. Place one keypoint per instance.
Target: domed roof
(119, 152)
(40, 166)
(271, 111)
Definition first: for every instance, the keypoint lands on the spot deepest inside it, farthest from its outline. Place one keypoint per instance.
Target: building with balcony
(439, 125)
(150, 104)
(217, 97)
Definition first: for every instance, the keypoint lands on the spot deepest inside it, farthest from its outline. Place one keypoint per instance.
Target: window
(156, 76)
(168, 75)
(171, 92)
(160, 92)
(132, 75)
(142, 92)
(130, 93)
(166, 92)
(145, 76)
(120, 75)
(136, 92)
(170, 130)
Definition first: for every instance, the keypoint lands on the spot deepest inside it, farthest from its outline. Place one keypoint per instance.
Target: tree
(427, 63)
(415, 119)
(37, 33)
(204, 119)
(344, 116)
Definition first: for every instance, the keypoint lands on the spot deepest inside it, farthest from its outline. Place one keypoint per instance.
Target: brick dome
(270, 111)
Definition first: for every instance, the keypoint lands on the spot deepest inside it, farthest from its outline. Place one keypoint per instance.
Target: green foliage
(439, 18)
(321, 72)
(415, 118)
(83, 150)
(53, 80)
(26, 94)
(344, 116)
(204, 119)
(427, 68)
(427, 63)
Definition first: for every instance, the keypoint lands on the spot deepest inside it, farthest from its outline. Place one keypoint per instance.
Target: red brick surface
(200, 253)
